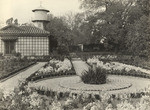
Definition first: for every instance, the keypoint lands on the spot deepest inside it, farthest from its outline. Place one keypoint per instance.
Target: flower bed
(52, 69)
(29, 98)
(118, 68)
(101, 101)
(10, 66)
(126, 59)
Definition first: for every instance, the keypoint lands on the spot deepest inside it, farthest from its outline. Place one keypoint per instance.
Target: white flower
(56, 106)
(125, 106)
(109, 107)
(94, 107)
(111, 65)
(69, 102)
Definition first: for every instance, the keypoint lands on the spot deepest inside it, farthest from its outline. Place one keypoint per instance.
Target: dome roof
(40, 8)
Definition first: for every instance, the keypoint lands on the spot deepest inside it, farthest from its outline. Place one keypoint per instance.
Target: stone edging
(96, 89)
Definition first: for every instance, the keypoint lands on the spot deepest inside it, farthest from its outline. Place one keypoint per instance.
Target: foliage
(59, 29)
(137, 38)
(1, 54)
(63, 50)
(78, 28)
(118, 68)
(29, 98)
(9, 66)
(124, 24)
(16, 54)
(54, 68)
(97, 76)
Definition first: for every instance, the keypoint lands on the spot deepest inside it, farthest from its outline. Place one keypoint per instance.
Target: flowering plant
(56, 66)
(119, 68)
(53, 68)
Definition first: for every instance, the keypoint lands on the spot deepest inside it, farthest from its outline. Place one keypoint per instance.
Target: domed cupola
(40, 17)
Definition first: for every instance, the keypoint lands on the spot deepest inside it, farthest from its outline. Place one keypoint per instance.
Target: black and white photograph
(74, 54)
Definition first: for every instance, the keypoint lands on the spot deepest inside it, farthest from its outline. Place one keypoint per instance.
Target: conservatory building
(25, 39)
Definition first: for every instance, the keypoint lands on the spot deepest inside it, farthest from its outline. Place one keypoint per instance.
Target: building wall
(1, 46)
(29, 46)
(40, 15)
(39, 25)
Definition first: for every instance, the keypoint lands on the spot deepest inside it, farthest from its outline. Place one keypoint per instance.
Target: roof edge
(40, 10)
(10, 26)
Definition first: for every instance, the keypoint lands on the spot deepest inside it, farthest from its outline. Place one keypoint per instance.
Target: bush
(63, 50)
(98, 76)
(1, 54)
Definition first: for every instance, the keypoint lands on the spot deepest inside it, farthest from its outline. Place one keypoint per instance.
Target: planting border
(40, 78)
(13, 73)
(53, 93)
(142, 75)
(48, 76)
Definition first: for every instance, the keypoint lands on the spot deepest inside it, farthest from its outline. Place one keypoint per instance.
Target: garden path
(9, 84)
(80, 66)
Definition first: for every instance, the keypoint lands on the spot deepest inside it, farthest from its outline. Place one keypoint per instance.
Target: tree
(59, 29)
(139, 33)
(119, 22)
(78, 27)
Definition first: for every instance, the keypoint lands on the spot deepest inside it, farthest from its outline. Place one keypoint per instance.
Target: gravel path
(9, 84)
(80, 66)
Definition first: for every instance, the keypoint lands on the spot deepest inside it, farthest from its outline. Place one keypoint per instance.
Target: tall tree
(139, 33)
(119, 23)
(59, 29)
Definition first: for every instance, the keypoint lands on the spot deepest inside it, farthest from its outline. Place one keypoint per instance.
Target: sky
(22, 9)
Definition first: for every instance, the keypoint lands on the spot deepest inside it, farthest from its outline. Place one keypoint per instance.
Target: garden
(109, 70)
(30, 97)
(58, 85)
(11, 65)
(54, 68)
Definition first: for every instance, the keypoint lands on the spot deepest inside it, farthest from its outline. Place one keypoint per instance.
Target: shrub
(98, 76)
(63, 50)
(1, 54)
